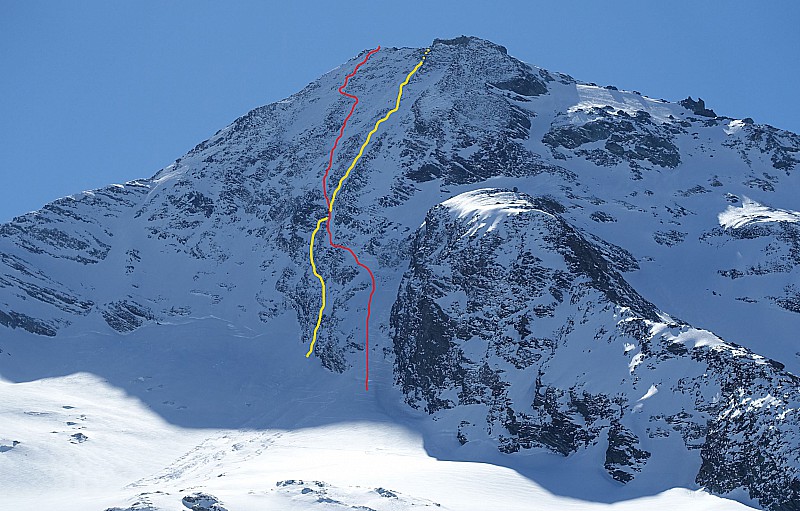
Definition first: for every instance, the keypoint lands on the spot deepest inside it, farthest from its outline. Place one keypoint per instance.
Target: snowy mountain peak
(533, 238)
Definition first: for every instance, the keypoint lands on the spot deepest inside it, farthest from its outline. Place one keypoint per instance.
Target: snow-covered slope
(573, 315)
(183, 409)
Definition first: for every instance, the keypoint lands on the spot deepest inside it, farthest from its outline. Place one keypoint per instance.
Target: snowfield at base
(372, 463)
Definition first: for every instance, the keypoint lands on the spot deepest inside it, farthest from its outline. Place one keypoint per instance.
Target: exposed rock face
(623, 458)
(697, 107)
(202, 502)
(634, 139)
(508, 310)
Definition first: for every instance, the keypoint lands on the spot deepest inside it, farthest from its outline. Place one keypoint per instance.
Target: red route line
(330, 211)
(344, 124)
(371, 293)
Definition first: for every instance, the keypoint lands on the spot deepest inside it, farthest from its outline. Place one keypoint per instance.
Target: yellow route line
(321, 281)
(339, 187)
(375, 129)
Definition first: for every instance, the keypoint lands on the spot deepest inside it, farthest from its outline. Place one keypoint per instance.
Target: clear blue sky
(97, 92)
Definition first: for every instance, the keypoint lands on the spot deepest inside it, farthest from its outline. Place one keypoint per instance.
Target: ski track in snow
(376, 464)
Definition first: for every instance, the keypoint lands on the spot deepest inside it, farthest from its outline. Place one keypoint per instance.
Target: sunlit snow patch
(652, 391)
(753, 212)
(696, 337)
(486, 208)
(734, 127)
(591, 97)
